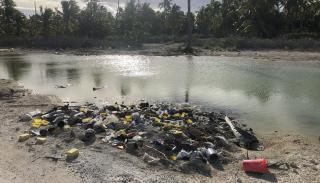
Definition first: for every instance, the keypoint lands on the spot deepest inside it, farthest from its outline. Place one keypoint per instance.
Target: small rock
(239, 180)
(295, 171)
(314, 162)
(283, 167)
(294, 165)
(297, 141)
(305, 165)
(58, 146)
(89, 133)
(69, 138)
(196, 165)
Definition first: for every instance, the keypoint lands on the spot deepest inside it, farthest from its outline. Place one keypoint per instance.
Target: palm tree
(165, 5)
(70, 10)
(8, 11)
(189, 40)
(295, 11)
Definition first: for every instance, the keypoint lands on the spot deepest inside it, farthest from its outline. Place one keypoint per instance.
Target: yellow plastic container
(66, 128)
(173, 157)
(36, 123)
(40, 140)
(177, 115)
(157, 120)
(83, 109)
(128, 118)
(121, 133)
(72, 154)
(176, 132)
(24, 137)
(165, 116)
(103, 114)
(87, 120)
(184, 114)
(189, 121)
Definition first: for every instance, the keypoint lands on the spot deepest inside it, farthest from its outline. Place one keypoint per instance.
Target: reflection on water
(124, 88)
(267, 95)
(16, 67)
(73, 75)
(52, 71)
(189, 77)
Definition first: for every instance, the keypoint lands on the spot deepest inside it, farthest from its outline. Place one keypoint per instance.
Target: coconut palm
(189, 47)
(70, 11)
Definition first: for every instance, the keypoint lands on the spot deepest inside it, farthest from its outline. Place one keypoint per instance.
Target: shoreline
(294, 157)
(173, 50)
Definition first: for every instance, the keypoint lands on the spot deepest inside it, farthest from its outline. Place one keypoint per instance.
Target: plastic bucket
(255, 166)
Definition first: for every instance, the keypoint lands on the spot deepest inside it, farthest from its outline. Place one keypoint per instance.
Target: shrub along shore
(228, 24)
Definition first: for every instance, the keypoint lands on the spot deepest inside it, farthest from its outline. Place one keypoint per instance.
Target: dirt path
(294, 158)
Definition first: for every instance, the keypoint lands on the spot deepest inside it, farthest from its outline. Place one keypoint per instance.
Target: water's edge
(268, 96)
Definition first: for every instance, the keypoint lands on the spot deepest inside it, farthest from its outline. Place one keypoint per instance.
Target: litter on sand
(159, 133)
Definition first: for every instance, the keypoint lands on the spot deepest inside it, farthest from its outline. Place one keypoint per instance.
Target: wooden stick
(235, 132)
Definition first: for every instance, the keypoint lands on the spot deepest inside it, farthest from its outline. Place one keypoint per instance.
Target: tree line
(259, 18)
(137, 22)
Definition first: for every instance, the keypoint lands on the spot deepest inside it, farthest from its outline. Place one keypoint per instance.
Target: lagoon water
(266, 95)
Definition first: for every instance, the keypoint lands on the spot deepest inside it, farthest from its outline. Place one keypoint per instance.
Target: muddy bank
(175, 50)
(294, 159)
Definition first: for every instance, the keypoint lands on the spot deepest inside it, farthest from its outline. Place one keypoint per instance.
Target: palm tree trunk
(189, 41)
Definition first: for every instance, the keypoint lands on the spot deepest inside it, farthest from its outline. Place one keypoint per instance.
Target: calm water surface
(267, 95)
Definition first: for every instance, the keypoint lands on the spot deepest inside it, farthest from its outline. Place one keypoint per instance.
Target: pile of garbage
(160, 133)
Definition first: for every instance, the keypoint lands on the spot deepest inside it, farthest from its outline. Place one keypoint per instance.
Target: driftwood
(244, 137)
(48, 157)
(234, 130)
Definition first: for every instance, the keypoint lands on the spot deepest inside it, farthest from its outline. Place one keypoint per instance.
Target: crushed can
(255, 166)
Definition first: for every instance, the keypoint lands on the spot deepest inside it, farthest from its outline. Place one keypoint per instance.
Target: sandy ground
(273, 55)
(15, 159)
(294, 159)
(172, 50)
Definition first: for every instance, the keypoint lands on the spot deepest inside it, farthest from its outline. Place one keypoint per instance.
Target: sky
(27, 6)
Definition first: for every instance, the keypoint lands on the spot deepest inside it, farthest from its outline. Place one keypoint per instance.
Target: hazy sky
(27, 6)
